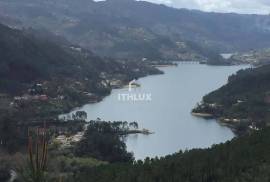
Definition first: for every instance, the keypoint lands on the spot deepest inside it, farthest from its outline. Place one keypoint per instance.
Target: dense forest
(245, 158)
(244, 100)
(245, 95)
(103, 141)
(242, 159)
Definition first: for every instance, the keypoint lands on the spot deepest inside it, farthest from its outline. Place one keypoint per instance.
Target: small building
(61, 139)
(43, 97)
(36, 89)
(144, 59)
(78, 137)
(25, 97)
(115, 83)
(60, 97)
(78, 49)
(236, 120)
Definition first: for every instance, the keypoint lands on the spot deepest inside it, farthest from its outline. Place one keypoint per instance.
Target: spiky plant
(38, 152)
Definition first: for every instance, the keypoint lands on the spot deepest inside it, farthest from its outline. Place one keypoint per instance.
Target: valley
(125, 90)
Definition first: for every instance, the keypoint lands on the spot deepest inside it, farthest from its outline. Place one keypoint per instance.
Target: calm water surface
(173, 95)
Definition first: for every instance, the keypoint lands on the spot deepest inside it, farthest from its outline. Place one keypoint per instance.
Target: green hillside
(242, 159)
(42, 76)
(243, 101)
(127, 29)
(26, 58)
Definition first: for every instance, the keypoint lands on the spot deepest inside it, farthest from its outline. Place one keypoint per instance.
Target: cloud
(238, 6)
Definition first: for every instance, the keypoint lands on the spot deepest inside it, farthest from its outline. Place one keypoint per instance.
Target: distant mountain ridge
(29, 56)
(136, 29)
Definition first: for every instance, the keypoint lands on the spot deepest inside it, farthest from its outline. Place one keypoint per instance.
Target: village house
(115, 83)
(36, 89)
(43, 97)
(78, 49)
(214, 105)
(66, 141)
(27, 97)
(60, 97)
(253, 126)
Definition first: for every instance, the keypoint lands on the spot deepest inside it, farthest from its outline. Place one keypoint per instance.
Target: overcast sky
(238, 6)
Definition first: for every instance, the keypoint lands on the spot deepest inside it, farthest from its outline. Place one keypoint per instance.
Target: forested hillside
(25, 59)
(242, 159)
(243, 102)
(42, 76)
(28, 57)
(57, 55)
(137, 29)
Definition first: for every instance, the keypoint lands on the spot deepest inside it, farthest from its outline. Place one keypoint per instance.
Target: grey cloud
(238, 6)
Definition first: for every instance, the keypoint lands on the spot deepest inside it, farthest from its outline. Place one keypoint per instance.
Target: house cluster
(254, 57)
(253, 127)
(66, 141)
(78, 49)
(231, 120)
(51, 127)
(64, 133)
(214, 105)
(92, 98)
(114, 83)
(36, 92)
(27, 97)
(209, 105)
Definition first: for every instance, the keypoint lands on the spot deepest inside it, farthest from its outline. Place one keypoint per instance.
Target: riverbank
(168, 113)
(239, 126)
(165, 115)
(224, 122)
(242, 103)
(45, 100)
(138, 131)
(165, 65)
(203, 115)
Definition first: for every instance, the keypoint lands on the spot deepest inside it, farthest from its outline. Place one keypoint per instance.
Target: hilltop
(136, 29)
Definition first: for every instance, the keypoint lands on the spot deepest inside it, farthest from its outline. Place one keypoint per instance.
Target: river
(166, 110)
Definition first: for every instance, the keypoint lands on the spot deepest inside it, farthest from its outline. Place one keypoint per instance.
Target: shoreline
(220, 121)
(165, 65)
(202, 115)
(206, 116)
(138, 131)
(102, 97)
